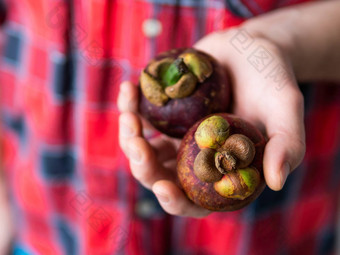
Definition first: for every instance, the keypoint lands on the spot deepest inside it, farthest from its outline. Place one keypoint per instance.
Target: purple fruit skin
(178, 115)
(203, 194)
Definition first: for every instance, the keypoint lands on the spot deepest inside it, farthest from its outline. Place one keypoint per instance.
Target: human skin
(6, 219)
(302, 41)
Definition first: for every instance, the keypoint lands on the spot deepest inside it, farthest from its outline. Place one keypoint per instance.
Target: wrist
(306, 35)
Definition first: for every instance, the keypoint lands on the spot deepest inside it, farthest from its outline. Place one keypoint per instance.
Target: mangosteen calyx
(170, 78)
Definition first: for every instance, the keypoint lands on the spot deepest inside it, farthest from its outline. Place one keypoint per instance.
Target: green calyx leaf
(171, 74)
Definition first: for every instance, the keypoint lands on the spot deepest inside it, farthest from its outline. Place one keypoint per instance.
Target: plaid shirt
(70, 186)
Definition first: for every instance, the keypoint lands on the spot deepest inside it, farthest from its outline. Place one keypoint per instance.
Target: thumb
(283, 153)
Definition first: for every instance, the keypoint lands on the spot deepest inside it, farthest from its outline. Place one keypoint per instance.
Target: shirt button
(146, 208)
(151, 27)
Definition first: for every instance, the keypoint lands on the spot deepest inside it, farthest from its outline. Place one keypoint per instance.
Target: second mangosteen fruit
(181, 86)
(219, 163)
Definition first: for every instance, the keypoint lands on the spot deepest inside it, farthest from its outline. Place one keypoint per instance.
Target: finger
(144, 164)
(128, 102)
(286, 146)
(166, 148)
(283, 153)
(174, 201)
(128, 97)
(129, 126)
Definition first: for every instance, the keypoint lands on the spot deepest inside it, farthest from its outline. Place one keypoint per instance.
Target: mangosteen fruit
(219, 162)
(181, 86)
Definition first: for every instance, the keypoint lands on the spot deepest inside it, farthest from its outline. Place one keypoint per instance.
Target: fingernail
(134, 154)
(285, 170)
(162, 197)
(125, 130)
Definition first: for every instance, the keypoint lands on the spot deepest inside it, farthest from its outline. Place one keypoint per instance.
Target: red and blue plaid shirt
(69, 183)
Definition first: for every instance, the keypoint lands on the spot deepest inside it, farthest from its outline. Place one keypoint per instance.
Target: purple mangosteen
(181, 86)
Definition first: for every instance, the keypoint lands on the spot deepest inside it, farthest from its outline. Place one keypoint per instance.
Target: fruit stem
(225, 162)
(174, 72)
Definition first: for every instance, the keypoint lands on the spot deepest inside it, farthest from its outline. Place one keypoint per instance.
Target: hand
(277, 112)
(152, 161)
(273, 104)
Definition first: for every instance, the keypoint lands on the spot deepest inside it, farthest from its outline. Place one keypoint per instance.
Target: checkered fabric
(70, 186)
